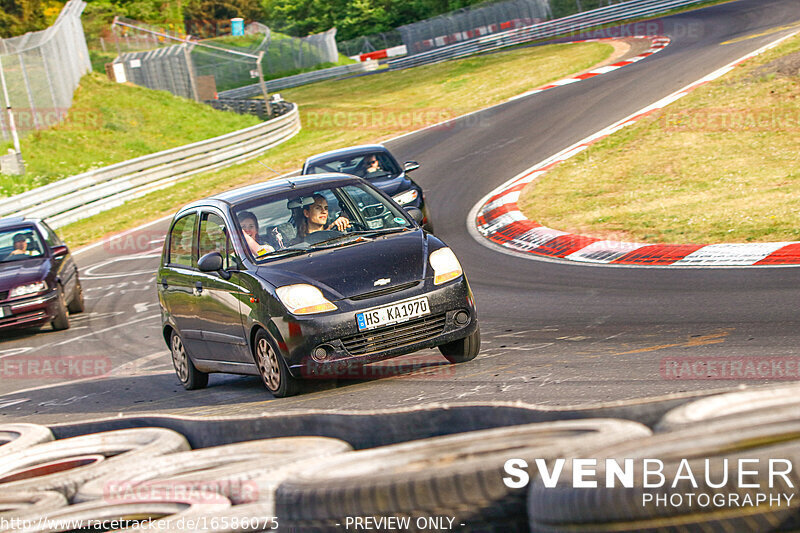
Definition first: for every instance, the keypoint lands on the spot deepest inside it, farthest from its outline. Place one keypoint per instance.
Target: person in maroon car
(21, 245)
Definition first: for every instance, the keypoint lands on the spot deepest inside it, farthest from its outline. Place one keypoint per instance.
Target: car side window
(50, 236)
(214, 238)
(181, 241)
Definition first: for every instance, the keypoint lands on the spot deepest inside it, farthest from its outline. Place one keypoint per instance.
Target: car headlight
(406, 197)
(445, 266)
(303, 299)
(30, 288)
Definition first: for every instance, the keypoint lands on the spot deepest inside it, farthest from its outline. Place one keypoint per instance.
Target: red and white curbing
(497, 216)
(657, 43)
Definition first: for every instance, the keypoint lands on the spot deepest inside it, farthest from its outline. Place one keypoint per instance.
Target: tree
(21, 16)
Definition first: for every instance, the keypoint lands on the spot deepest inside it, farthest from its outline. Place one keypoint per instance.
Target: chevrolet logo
(382, 281)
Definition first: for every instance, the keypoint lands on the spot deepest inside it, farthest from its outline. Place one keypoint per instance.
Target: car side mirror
(415, 213)
(408, 166)
(59, 251)
(213, 262)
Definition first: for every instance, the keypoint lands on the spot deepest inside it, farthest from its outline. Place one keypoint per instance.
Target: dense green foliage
(352, 18)
(20, 16)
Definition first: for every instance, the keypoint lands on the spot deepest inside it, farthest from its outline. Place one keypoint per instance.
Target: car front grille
(386, 290)
(3, 295)
(386, 338)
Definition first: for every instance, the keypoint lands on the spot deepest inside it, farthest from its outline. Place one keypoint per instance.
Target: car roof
(13, 222)
(258, 190)
(346, 152)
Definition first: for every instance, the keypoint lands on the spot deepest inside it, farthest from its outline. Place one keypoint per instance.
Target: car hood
(352, 270)
(22, 272)
(389, 185)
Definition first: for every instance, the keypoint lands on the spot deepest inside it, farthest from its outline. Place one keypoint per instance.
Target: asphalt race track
(553, 333)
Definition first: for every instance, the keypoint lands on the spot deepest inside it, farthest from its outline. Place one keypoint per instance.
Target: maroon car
(38, 279)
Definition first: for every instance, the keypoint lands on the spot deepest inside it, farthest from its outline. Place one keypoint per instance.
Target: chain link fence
(469, 23)
(201, 69)
(41, 71)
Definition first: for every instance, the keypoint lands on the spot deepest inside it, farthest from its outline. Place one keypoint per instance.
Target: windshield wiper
(286, 252)
(334, 241)
(379, 231)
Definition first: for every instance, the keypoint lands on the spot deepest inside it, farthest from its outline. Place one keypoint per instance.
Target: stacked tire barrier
(422, 476)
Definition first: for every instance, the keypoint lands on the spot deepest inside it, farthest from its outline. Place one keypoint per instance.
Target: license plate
(4, 312)
(393, 314)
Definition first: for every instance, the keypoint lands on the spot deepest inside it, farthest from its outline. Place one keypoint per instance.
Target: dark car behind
(39, 281)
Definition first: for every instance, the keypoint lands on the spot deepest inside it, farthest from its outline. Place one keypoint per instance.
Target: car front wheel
(272, 368)
(61, 318)
(462, 350)
(190, 377)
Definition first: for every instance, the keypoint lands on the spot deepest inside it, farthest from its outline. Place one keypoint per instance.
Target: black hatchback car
(306, 277)
(39, 281)
(376, 164)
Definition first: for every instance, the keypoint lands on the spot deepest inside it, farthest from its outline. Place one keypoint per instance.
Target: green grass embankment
(720, 165)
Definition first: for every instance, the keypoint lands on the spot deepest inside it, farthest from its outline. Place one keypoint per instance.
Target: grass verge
(361, 110)
(109, 123)
(719, 165)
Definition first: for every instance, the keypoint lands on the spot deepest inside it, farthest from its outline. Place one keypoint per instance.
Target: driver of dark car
(368, 165)
(21, 245)
(315, 216)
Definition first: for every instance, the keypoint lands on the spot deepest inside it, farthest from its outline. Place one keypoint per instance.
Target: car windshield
(310, 219)
(370, 165)
(20, 243)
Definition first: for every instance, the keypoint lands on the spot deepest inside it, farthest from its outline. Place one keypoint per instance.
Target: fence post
(263, 85)
(187, 54)
(11, 124)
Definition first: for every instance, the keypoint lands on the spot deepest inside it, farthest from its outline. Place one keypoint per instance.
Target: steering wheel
(321, 235)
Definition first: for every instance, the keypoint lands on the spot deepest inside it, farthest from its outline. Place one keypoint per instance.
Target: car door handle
(198, 287)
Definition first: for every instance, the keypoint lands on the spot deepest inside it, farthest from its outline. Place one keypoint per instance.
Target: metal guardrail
(300, 79)
(98, 190)
(573, 23)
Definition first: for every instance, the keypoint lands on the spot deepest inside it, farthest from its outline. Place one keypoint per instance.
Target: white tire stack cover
(122, 448)
(18, 437)
(224, 469)
(13, 504)
(740, 404)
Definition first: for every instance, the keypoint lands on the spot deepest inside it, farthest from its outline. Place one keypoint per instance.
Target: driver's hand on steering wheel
(340, 224)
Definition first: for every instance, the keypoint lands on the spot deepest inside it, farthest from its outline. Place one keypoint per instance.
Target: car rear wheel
(61, 318)
(76, 304)
(273, 370)
(462, 350)
(190, 377)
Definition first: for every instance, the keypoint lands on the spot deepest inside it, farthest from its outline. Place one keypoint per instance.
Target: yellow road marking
(763, 33)
(714, 338)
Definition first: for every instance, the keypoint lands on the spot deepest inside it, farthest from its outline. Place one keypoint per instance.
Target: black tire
(76, 305)
(462, 350)
(272, 368)
(772, 435)
(189, 376)
(458, 476)
(61, 320)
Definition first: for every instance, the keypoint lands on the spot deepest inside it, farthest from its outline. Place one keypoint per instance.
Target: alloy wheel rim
(269, 365)
(179, 359)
